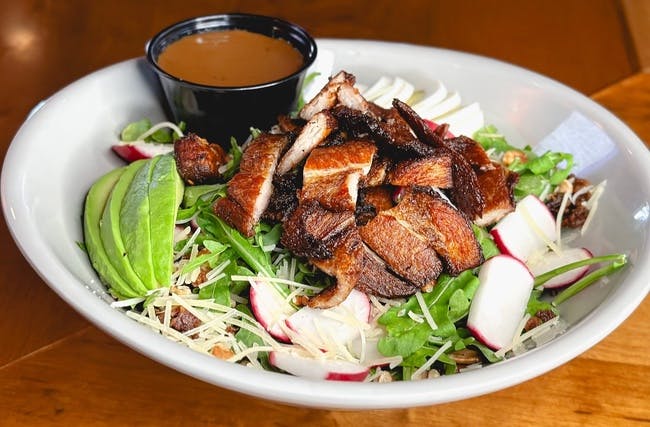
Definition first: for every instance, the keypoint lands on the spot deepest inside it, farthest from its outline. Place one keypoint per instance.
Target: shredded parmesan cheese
(425, 367)
(425, 310)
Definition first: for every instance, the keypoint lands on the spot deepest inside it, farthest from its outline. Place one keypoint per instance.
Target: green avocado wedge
(134, 224)
(110, 230)
(94, 207)
(165, 195)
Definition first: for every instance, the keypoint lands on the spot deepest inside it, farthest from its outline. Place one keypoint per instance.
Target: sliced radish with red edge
(500, 301)
(141, 150)
(270, 308)
(319, 369)
(340, 324)
(552, 260)
(525, 231)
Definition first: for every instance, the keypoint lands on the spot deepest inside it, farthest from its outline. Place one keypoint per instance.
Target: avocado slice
(134, 224)
(109, 228)
(165, 195)
(95, 202)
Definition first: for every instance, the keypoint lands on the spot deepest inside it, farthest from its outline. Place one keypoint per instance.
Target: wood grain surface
(57, 369)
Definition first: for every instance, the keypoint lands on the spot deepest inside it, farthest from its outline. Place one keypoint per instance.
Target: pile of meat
(380, 199)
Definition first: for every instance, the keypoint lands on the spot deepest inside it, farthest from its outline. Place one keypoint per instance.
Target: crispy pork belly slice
(345, 265)
(448, 231)
(471, 151)
(310, 229)
(198, 161)
(312, 134)
(349, 96)
(405, 252)
(327, 97)
(497, 186)
(378, 173)
(331, 174)
(336, 192)
(465, 193)
(432, 171)
(376, 279)
(249, 191)
(350, 156)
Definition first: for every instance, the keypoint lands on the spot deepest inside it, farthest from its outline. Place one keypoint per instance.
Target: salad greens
(426, 324)
(538, 175)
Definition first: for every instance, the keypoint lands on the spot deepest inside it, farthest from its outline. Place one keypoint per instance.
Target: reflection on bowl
(220, 110)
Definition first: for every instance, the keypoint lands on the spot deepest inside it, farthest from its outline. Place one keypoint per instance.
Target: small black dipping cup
(218, 113)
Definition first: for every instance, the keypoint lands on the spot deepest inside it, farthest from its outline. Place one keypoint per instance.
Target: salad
(307, 250)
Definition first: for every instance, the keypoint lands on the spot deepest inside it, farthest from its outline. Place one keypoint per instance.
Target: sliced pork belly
(465, 193)
(249, 191)
(349, 96)
(378, 172)
(198, 161)
(310, 229)
(349, 156)
(391, 131)
(431, 171)
(375, 279)
(336, 192)
(331, 174)
(327, 97)
(312, 134)
(497, 186)
(471, 151)
(447, 230)
(405, 252)
(345, 265)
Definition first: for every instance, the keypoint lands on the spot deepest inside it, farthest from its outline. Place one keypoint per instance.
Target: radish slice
(270, 308)
(528, 230)
(319, 369)
(552, 260)
(337, 325)
(141, 150)
(500, 301)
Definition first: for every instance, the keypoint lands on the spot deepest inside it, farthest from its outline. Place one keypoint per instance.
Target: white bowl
(65, 146)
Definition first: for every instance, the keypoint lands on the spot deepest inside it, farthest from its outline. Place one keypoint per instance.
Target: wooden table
(57, 369)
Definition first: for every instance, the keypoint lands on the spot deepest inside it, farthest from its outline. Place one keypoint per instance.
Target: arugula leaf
(234, 154)
(490, 138)
(448, 303)
(488, 247)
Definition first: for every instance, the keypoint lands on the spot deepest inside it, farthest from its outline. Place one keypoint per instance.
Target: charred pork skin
(249, 191)
(311, 135)
(198, 161)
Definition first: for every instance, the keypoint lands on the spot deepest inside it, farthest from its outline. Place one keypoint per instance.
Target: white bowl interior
(65, 146)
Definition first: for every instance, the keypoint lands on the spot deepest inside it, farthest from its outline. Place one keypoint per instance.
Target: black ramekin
(217, 113)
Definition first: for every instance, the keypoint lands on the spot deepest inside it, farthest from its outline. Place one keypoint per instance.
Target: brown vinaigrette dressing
(230, 58)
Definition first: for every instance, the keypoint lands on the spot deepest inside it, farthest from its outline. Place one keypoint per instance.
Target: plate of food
(427, 226)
